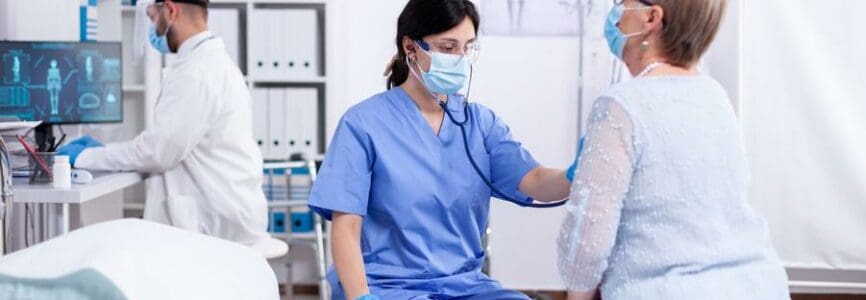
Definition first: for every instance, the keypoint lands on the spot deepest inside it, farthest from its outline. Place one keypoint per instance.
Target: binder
(285, 43)
(260, 120)
(277, 119)
(276, 50)
(303, 42)
(302, 222)
(259, 46)
(293, 123)
(278, 222)
(309, 116)
(287, 54)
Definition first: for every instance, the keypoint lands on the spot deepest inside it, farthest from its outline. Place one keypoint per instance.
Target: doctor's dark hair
(421, 18)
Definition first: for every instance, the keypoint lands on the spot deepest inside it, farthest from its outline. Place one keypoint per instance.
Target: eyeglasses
(154, 9)
(644, 2)
(470, 51)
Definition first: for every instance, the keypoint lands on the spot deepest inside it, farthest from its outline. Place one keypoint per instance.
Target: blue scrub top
(424, 207)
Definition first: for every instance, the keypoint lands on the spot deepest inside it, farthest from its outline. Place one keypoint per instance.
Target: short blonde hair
(690, 26)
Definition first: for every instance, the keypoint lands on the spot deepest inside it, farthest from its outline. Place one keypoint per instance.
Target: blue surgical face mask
(616, 39)
(447, 75)
(159, 42)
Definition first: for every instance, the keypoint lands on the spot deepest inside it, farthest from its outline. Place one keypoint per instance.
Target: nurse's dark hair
(421, 18)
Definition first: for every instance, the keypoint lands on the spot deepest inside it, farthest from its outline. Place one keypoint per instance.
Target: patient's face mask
(616, 39)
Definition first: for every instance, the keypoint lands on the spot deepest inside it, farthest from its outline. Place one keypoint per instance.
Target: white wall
(723, 60)
(532, 84)
(362, 35)
(4, 23)
(39, 20)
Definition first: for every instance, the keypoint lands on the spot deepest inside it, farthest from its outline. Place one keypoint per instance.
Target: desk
(78, 194)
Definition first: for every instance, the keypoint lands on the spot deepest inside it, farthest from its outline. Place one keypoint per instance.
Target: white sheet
(142, 260)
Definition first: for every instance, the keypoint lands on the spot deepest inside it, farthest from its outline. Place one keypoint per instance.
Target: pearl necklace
(651, 67)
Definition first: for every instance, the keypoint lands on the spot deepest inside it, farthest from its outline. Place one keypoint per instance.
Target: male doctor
(204, 164)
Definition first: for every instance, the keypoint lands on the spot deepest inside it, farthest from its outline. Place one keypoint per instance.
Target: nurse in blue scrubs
(408, 209)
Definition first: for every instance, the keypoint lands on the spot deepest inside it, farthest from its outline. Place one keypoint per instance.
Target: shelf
(78, 193)
(287, 203)
(269, 1)
(228, 2)
(300, 236)
(280, 1)
(285, 165)
(133, 206)
(134, 88)
(320, 79)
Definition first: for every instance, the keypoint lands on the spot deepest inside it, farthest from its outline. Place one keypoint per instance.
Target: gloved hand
(569, 174)
(368, 297)
(87, 141)
(74, 148)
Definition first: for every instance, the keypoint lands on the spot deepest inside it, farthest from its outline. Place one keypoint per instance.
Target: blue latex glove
(368, 297)
(87, 141)
(74, 148)
(569, 174)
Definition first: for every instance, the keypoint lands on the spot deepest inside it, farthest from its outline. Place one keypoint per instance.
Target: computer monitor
(61, 82)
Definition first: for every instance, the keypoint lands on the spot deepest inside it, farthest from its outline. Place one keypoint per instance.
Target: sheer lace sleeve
(602, 181)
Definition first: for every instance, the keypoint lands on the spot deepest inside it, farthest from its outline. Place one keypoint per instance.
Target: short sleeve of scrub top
(346, 172)
(509, 161)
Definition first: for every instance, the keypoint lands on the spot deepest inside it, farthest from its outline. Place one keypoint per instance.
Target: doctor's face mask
(157, 40)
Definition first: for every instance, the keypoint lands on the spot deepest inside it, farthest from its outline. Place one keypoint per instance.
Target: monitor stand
(43, 134)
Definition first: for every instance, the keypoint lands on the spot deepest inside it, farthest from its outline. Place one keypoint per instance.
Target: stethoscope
(202, 42)
(529, 201)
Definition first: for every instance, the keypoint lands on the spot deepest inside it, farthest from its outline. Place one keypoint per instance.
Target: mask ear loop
(436, 98)
(168, 40)
(631, 35)
(645, 45)
(167, 28)
(411, 69)
(469, 86)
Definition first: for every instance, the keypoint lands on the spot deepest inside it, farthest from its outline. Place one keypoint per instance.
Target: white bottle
(62, 172)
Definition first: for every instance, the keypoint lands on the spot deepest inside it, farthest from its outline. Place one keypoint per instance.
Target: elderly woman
(658, 206)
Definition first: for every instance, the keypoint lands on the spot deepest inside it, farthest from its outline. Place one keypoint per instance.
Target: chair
(272, 248)
(315, 239)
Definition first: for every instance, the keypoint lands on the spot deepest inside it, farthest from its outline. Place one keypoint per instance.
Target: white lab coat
(206, 170)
